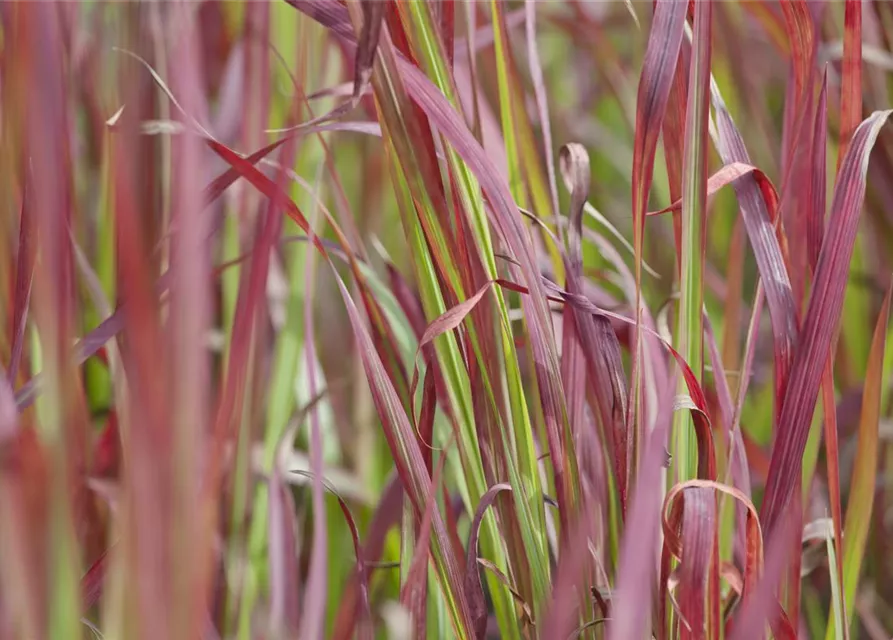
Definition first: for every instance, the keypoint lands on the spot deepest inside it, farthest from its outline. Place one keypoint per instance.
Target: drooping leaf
(727, 175)
(354, 603)
(361, 565)
(815, 225)
(597, 344)
(473, 587)
(699, 573)
(672, 524)
(761, 230)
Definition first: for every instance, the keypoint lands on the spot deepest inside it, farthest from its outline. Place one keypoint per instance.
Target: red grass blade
(408, 457)
(373, 20)
(414, 594)
(851, 76)
(356, 593)
(93, 581)
(727, 175)
(635, 568)
(674, 139)
(796, 143)
(655, 82)
(222, 182)
(762, 607)
(474, 589)
(449, 320)
(815, 222)
(820, 322)
(759, 224)
(597, 342)
(699, 540)
(285, 603)
(800, 29)
(25, 262)
(562, 615)
(9, 415)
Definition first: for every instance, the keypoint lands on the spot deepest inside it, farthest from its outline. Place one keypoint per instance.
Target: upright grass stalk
(689, 341)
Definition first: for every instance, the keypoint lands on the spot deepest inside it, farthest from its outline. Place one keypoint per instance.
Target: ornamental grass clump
(435, 319)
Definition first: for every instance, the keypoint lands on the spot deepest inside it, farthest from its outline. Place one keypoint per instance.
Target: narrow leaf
(25, 261)
(865, 466)
(820, 322)
(851, 76)
(815, 223)
(655, 82)
(727, 175)
(473, 587)
(285, 604)
(761, 231)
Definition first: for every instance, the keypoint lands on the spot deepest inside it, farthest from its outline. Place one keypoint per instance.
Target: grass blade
(410, 464)
(760, 226)
(851, 77)
(284, 573)
(820, 322)
(655, 82)
(25, 263)
(694, 516)
(473, 587)
(690, 339)
(815, 224)
(865, 468)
